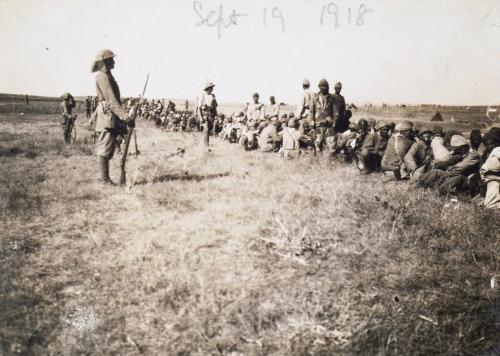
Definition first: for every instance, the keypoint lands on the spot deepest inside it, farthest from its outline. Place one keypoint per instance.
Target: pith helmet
(208, 84)
(338, 85)
(66, 96)
(306, 83)
(102, 55)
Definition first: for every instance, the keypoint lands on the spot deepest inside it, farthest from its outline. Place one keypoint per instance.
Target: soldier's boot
(104, 167)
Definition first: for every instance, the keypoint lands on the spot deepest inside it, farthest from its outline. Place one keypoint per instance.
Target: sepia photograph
(266, 177)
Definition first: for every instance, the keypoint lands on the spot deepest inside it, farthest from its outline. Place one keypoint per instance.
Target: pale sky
(429, 51)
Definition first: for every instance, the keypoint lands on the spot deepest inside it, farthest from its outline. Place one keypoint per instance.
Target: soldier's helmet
(306, 83)
(66, 96)
(338, 85)
(382, 124)
(404, 126)
(425, 129)
(372, 122)
(323, 82)
(208, 84)
(102, 55)
(362, 125)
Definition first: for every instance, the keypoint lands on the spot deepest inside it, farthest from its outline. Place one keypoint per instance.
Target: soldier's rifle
(123, 161)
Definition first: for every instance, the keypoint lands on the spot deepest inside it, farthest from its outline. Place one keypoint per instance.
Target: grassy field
(233, 253)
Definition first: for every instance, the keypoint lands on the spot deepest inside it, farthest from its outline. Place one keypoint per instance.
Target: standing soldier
(207, 110)
(88, 107)
(112, 120)
(95, 103)
(26, 99)
(305, 102)
(323, 115)
(67, 121)
(342, 123)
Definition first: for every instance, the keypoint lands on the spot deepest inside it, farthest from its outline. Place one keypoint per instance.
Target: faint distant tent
(437, 117)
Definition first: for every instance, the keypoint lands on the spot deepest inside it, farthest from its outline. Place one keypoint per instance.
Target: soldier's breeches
(106, 144)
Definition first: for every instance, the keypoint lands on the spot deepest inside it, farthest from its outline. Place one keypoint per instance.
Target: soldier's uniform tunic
(110, 114)
(255, 112)
(273, 111)
(341, 123)
(305, 103)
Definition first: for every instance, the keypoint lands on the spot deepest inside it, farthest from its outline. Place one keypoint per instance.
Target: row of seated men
(429, 157)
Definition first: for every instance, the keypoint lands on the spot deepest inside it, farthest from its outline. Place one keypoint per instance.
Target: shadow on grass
(184, 177)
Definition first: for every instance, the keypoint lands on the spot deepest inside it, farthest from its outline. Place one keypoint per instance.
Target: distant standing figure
(255, 110)
(207, 110)
(342, 122)
(88, 107)
(306, 100)
(26, 99)
(67, 120)
(273, 110)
